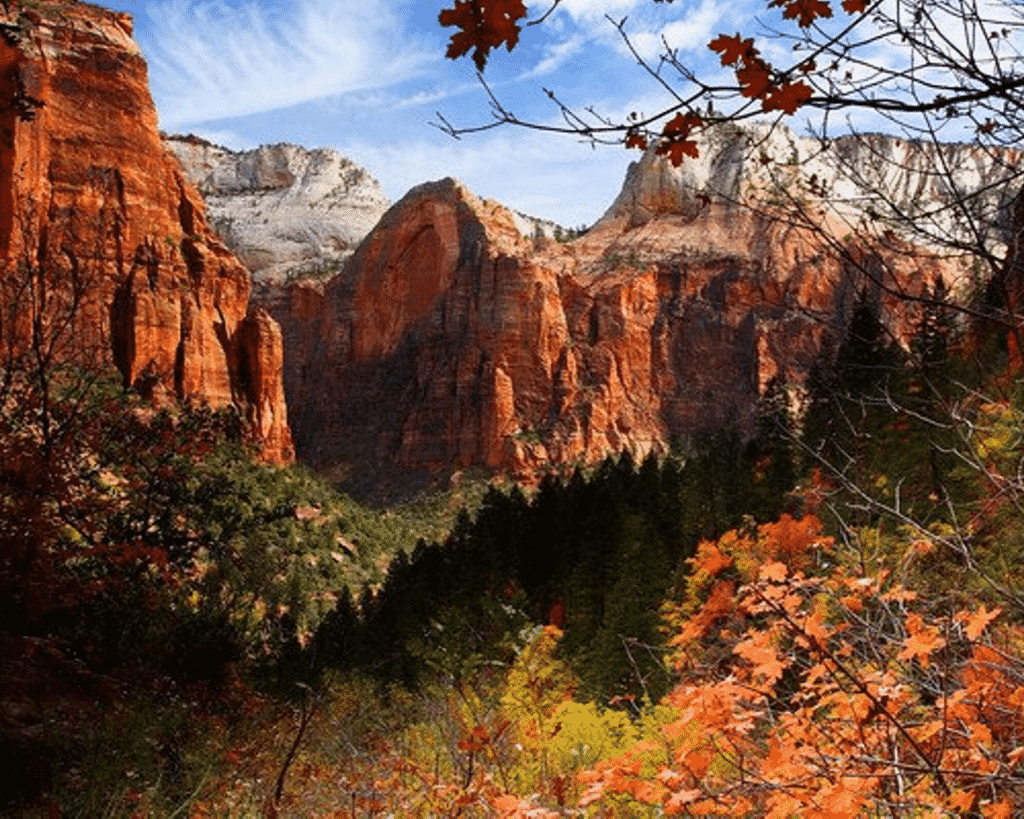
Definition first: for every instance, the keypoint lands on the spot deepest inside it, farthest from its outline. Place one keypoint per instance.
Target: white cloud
(209, 60)
(378, 100)
(556, 57)
(595, 10)
(691, 30)
(228, 139)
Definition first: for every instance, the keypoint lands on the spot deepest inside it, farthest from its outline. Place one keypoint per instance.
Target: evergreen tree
(930, 344)
(622, 657)
(853, 400)
(771, 454)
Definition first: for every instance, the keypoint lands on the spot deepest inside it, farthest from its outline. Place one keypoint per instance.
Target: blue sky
(367, 76)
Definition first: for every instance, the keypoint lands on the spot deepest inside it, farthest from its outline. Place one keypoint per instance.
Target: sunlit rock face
(927, 192)
(88, 190)
(449, 340)
(283, 208)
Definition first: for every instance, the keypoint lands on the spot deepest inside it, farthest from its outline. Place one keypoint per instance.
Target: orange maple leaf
(719, 603)
(677, 802)
(506, 804)
(961, 800)
(760, 653)
(921, 642)
(484, 25)
(977, 623)
(710, 559)
(999, 810)
(774, 570)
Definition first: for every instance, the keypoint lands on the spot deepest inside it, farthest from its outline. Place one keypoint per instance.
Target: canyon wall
(449, 340)
(89, 195)
(930, 193)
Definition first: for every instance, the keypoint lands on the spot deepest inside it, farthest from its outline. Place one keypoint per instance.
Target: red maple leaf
(681, 125)
(807, 10)
(855, 6)
(755, 79)
(634, 139)
(676, 149)
(787, 98)
(484, 24)
(676, 142)
(733, 49)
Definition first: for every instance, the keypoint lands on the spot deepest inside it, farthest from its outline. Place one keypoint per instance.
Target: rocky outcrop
(283, 208)
(89, 195)
(930, 193)
(450, 341)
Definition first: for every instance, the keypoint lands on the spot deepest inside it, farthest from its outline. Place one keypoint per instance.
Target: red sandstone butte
(449, 340)
(86, 185)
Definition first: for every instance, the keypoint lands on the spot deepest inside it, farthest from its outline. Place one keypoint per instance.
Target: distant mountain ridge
(287, 211)
(449, 341)
(934, 190)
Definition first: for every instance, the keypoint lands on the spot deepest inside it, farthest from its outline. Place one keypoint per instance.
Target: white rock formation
(930, 193)
(532, 227)
(283, 209)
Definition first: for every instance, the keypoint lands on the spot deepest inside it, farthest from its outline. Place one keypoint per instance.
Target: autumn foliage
(826, 694)
(482, 26)
(805, 688)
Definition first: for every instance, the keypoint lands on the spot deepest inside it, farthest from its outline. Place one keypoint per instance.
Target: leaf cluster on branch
(955, 60)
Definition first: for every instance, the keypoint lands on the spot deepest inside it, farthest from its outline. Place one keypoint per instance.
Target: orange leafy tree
(838, 694)
(807, 687)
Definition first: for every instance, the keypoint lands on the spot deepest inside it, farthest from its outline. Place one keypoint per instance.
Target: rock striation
(449, 340)
(283, 208)
(89, 195)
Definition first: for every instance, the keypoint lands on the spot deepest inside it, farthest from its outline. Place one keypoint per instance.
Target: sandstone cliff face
(449, 340)
(88, 191)
(927, 192)
(283, 207)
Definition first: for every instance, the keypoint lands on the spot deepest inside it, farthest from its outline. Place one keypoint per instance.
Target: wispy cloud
(556, 57)
(595, 10)
(691, 31)
(210, 60)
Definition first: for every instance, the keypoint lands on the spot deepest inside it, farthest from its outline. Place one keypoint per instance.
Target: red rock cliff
(87, 189)
(450, 341)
